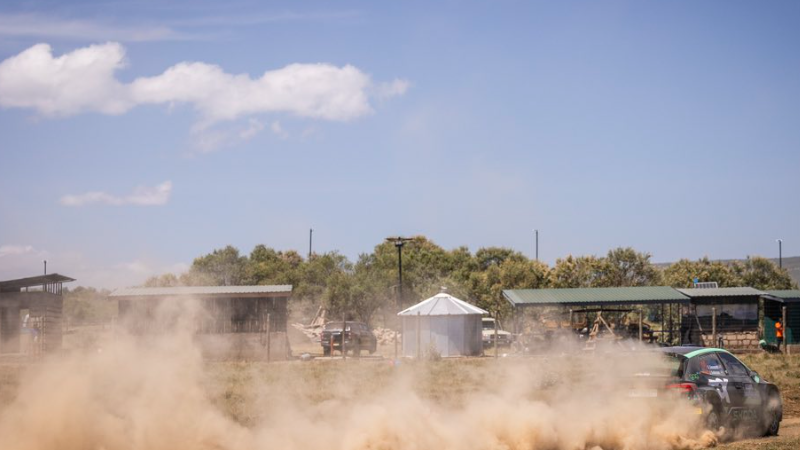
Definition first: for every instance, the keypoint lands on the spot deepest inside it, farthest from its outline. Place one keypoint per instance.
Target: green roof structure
(594, 296)
(784, 296)
(722, 292)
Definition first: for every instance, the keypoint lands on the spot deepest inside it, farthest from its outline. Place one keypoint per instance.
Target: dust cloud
(156, 394)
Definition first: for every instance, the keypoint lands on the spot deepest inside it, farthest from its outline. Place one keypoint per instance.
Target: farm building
(600, 311)
(708, 316)
(722, 317)
(30, 314)
(229, 322)
(442, 324)
(783, 305)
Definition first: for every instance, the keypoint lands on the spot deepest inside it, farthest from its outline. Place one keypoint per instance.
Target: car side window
(707, 364)
(735, 367)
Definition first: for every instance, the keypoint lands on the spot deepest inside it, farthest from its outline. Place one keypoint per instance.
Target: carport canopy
(783, 296)
(645, 295)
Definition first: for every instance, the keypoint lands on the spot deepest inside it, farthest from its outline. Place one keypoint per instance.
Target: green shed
(774, 301)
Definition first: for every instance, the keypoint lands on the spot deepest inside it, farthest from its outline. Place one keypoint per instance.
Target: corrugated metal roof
(35, 281)
(723, 292)
(199, 290)
(442, 305)
(594, 296)
(787, 295)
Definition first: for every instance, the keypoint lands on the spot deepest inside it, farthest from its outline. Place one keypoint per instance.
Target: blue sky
(147, 133)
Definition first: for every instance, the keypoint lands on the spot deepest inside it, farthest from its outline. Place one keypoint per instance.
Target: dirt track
(788, 438)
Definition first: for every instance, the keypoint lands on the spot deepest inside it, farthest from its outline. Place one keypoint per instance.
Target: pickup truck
(504, 338)
(357, 337)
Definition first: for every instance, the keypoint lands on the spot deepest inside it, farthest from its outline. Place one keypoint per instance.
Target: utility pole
(310, 234)
(399, 242)
(536, 232)
(45, 267)
(780, 253)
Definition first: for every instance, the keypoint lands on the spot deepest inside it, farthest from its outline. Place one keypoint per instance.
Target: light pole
(399, 242)
(780, 253)
(310, 234)
(536, 232)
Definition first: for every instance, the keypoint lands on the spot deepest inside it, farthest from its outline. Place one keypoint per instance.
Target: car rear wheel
(772, 418)
(713, 420)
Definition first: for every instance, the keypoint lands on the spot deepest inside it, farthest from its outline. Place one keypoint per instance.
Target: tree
(222, 267)
(486, 287)
(489, 256)
(575, 272)
(682, 274)
(165, 280)
(761, 273)
(627, 267)
(269, 266)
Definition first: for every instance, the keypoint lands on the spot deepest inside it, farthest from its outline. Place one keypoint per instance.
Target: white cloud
(392, 88)
(253, 128)
(278, 130)
(16, 250)
(41, 26)
(141, 196)
(188, 27)
(84, 81)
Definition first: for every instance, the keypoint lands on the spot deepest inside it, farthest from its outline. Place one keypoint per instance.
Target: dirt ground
(447, 382)
(787, 439)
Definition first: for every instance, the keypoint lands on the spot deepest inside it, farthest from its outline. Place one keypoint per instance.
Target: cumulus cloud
(141, 196)
(84, 81)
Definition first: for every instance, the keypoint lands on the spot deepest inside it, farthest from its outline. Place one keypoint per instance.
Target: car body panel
(726, 385)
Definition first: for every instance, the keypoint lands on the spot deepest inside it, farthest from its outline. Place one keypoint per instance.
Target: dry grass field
(251, 394)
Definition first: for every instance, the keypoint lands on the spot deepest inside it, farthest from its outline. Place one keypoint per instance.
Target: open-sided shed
(30, 314)
(230, 322)
(604, 301)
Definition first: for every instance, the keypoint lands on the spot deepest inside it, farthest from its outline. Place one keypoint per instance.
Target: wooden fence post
(783, 329)
(714, 326)
(269, 339)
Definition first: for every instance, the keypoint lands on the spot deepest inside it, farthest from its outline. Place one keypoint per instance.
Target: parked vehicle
(727, 392)
(357, 337)
(504, 338)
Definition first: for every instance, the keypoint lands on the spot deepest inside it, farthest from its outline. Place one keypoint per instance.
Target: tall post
(714, 326)
(571, 320)
(536, 232)
(45, 267)
(269, 337)
(344, 346)
(310, 235)
(783, 329)
(399, 244)
(671, 324)
(496, 316)
(640, 323)
(780, 253)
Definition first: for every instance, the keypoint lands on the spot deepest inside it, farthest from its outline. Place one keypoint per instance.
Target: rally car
(728, 393)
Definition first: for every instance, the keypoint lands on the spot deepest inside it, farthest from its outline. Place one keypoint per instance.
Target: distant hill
(790, 263)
